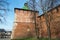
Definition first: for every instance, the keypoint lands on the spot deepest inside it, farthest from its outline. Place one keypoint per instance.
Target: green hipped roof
(25, 7)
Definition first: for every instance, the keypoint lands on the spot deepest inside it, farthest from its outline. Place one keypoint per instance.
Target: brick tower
(24, 23)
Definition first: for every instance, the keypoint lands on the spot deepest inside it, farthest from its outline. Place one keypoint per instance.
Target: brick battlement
(24, 23)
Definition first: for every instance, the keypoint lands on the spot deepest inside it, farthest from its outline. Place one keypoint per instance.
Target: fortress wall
(53, 17)
(24, 23)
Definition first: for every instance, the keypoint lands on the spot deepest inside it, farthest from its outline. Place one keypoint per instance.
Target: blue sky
(10, 16)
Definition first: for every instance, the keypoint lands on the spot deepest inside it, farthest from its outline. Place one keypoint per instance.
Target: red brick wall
(24, 24)
(54, 15)
(22, 30)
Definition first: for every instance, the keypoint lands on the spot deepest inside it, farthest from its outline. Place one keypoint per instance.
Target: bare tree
(45, 6)
(3, 10)
(32, 6)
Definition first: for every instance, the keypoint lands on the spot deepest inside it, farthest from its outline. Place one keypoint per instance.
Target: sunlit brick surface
(54, 20)
(24, 23)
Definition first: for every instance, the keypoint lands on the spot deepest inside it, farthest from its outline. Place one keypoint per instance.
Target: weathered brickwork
(24, 23)
(53, 17)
